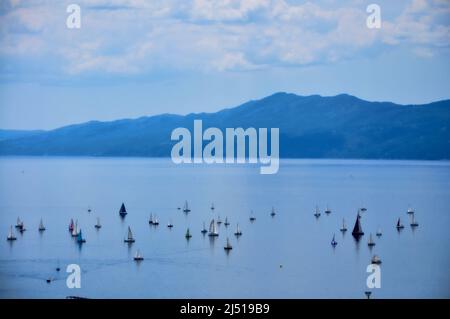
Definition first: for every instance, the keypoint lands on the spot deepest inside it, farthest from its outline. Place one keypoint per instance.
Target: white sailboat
(370, 243)
(204, 230)
(252, 217)
(41, 225)
(188, 234)
(129, 238)
(344, 227)
(18, 223)
(170, 225)
(317, 212)
(226, 222)
(219, 221)
(212, 229)
(333, 241)
(11, 234)
(155, 221)
(399, 225)
(228, 245)
(410, 211)
(379, 233)
(98, 225)
(186, 208)
(75, 229)
(414, 223)
(138, 256)
(238, 231)
(150, 220)
(212, 206)
(328, 210)
(272, 213)
(376, 260)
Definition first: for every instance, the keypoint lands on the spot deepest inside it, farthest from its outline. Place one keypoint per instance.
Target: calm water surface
(415, 263)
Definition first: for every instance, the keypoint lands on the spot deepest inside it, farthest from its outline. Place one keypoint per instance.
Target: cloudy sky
(134, 57)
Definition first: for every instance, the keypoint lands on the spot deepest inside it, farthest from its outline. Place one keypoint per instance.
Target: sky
(133, 58)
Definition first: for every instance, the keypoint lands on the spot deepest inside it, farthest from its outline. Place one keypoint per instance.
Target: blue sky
(132, 58)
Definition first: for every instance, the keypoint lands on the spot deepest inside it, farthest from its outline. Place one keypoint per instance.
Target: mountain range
(341, 126)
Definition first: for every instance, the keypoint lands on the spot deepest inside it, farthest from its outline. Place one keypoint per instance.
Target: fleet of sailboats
(75, 231)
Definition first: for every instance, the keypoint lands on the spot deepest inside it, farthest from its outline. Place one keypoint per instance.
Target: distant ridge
(341, 126)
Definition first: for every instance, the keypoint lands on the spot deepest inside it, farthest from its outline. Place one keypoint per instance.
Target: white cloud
(137, 36)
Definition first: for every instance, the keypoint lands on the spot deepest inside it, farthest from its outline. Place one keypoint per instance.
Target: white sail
(98, 221)
(41, 224)
(75, 229)
(130, 234)
(11, 234)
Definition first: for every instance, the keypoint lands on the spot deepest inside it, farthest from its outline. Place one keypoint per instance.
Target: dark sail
(357, 230)
(122, 210)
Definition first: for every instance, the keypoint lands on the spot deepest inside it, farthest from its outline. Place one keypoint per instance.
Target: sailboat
(317, 212)
(219, 221)
(18, 223)
(75, 229)
(71, 225)
(379, 233)
(129, 238)
(155, 221)
(252, 217)
(150, 221)
(170, 225)
(22, 227)
(138, 256)
(370, 243)
(188, 234)
(413, 221)
(98, 225)
(327, 211)
(212, 229)
(333, 241)
(11, 234)
(357, 229)
(212, 206)
(399, 224)
(80, 238)
(376, 260)
(410, 211)
(122, 211)
(41, 226)
(238, 231)
(228, 245)
(272, 213)
(204, 230)
(226, 221)
(344, 227)
(186, 208)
